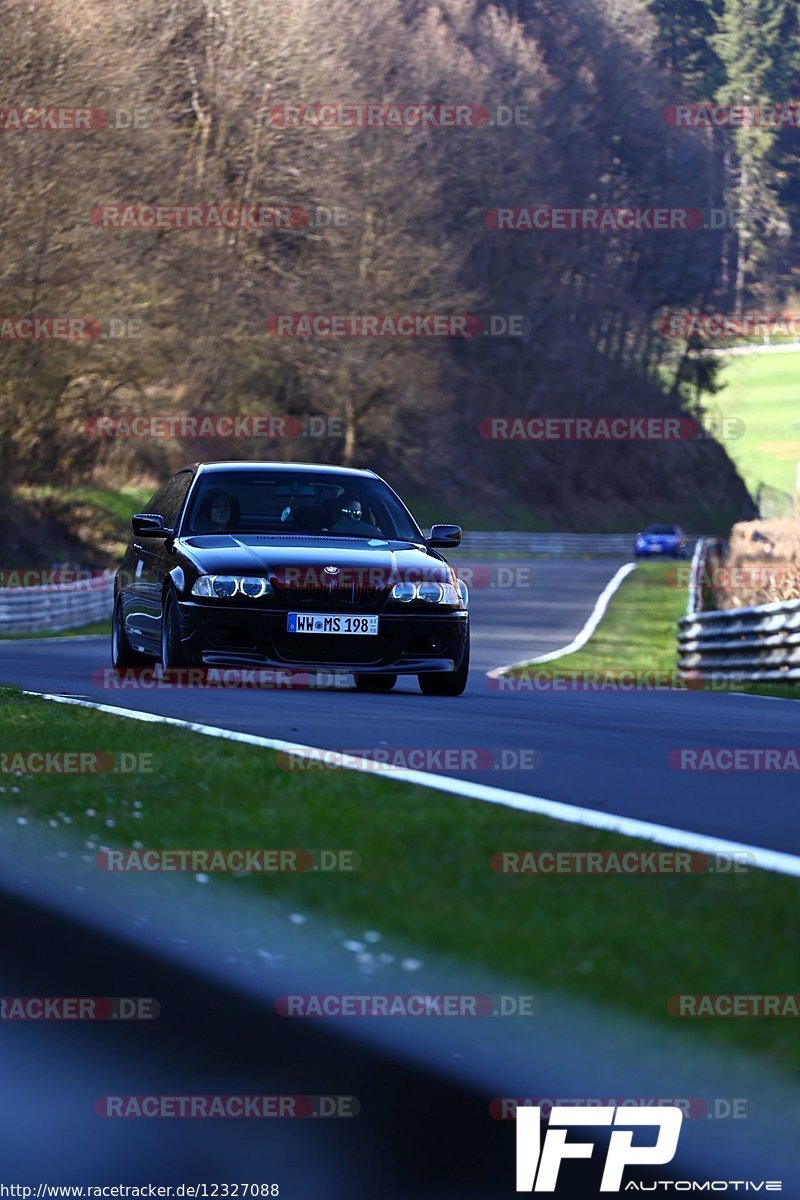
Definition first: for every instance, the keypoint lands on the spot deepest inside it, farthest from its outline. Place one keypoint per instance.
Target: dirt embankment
(761, 565)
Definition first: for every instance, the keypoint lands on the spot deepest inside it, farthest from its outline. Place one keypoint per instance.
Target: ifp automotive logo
(538, 1165)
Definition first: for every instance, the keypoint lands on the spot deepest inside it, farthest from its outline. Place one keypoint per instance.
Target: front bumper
(660, 550)
(219, 634)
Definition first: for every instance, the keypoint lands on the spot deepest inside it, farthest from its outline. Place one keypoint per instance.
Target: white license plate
(331, 623)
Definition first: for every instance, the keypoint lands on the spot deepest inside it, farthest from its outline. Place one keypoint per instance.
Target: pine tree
(684, 47)
(752, 45)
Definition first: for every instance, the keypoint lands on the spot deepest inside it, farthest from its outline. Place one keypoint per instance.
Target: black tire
(122, 653)
(375, 683)
(446, 683)
(172, 655)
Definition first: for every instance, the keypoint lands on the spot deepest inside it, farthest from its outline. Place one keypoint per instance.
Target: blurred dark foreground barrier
(216, 957)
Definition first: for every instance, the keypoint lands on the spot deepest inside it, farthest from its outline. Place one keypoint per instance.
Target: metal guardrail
(56, 608)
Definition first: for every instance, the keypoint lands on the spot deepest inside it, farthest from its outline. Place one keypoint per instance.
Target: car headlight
(255, 586)
(430, 593)
(203, 586)
(224, 587)
(403, 592)
(450, 594)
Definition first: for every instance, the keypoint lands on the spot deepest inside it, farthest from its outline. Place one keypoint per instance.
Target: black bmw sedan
(285, 565)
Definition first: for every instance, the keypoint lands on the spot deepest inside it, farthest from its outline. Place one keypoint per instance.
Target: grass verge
(96, 628)
(425, 879)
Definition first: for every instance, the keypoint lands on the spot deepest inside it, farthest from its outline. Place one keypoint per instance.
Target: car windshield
(671, 529)
(301, 502)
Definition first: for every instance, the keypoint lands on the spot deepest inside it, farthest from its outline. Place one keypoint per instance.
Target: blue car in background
(661, 540)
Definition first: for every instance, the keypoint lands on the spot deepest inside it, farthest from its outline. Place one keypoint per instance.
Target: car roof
(238, 465)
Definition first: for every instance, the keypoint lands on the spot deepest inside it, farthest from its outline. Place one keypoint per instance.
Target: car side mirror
(443, 537)
(150, 525)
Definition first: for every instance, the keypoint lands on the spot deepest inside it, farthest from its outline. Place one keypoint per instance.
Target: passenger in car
(219, 512)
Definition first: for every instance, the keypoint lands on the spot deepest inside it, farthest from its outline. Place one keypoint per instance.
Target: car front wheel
(171, 647)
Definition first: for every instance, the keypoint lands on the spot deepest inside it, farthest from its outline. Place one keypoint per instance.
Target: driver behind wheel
(346, 516)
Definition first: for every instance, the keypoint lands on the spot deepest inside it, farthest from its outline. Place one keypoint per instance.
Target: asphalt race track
(600, 749)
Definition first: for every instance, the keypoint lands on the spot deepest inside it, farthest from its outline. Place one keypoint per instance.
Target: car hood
(217, 554)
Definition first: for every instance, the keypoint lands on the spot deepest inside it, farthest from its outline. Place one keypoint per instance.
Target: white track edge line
(760, 696)
(580, 640)
(765, 859)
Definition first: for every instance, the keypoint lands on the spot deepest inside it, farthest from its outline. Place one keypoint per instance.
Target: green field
(763, 390)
